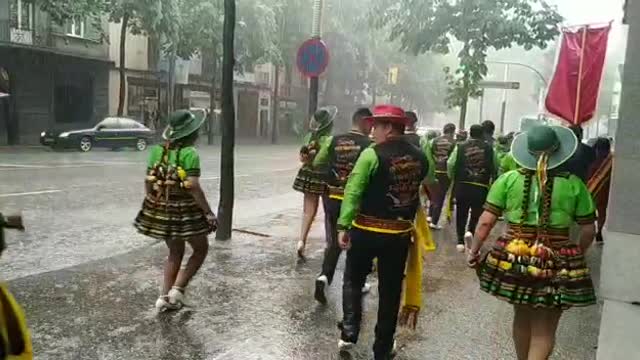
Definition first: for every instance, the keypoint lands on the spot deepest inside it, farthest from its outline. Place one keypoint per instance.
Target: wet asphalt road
(88, 282)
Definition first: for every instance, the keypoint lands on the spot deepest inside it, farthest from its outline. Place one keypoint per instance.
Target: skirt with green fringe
(561, 280)
(175, 218)
(310, 181)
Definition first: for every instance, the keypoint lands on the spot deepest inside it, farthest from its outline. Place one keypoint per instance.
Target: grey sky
(589, 11)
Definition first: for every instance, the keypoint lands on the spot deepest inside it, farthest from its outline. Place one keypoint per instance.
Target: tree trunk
(122, 70)
(463, 113)
(212, 96)
(225, 207)
(276, 105)
(171, 103)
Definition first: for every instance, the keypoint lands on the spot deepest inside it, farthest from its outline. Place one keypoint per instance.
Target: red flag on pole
(573, 93)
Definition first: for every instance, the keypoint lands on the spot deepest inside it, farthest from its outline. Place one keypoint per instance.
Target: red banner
(573, 93)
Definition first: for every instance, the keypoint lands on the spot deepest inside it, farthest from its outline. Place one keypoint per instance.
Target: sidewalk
(253, 300)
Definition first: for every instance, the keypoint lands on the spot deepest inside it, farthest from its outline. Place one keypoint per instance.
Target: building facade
(620, 274)
(56, 75)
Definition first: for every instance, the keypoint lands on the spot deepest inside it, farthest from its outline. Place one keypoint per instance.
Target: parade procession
(210, 180)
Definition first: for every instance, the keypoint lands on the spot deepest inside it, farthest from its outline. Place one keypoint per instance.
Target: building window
(76, 28)
(263, 78)
(22, 14)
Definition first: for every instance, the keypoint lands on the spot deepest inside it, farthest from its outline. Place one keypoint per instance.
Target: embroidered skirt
(310, 181)
(516, 270)
(179, 218)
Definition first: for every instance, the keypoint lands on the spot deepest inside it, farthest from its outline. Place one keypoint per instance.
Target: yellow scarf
(422, 243)
(13, 326)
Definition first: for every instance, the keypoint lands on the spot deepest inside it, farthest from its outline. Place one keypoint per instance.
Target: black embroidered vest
(442, 147)
(393, 190)
(475, 162)
(343, 153)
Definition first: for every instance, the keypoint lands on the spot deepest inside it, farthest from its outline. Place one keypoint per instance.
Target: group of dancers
(371, 178)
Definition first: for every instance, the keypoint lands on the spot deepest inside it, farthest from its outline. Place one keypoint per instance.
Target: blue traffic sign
(313, 58)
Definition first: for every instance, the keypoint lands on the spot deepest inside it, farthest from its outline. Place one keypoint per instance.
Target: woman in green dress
(311, 179)
(175, 209)
(534, 265)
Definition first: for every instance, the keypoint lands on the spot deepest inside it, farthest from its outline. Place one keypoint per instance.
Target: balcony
(10, 33)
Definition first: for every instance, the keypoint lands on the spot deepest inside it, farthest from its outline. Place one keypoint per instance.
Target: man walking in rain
(379, 206)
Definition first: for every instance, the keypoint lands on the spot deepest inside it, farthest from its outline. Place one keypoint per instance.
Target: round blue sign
(313, 58)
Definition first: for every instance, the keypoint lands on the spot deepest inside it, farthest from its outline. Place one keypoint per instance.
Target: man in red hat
(379, 206)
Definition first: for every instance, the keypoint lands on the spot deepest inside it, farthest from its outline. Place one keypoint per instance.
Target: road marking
(252, 174)
(3, 165)
(30, 193)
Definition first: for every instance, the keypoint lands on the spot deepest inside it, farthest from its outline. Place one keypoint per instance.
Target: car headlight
(42, 134)
(64, 135)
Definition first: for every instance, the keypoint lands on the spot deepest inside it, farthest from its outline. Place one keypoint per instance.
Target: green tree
(151, 17)
(225, 207)
(477, 25)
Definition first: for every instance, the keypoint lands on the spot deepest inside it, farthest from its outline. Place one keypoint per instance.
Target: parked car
(112, 132)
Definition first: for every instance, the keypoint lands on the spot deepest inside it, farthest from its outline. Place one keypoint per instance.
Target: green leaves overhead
(472, 26)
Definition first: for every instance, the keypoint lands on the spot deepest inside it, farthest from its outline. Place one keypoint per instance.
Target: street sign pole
(316, 33)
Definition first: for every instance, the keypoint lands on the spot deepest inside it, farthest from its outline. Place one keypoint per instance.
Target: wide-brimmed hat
(560, 143)
(182, 123)
(323, 118)
(391, 114)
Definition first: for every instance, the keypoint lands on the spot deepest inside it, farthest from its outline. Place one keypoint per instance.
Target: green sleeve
(451, 163)
(496, 165)
(365, 167)
(497, 198)
(431, 162)
(585, 207)
(322, 157)
(155, 154)
(190, 161)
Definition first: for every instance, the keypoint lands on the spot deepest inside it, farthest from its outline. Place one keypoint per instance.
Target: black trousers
(332, 249)
(468, 198)
(438, 192)
(391, 251)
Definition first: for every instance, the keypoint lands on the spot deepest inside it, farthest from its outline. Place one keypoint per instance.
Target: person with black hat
(440, 148)
(376, 221)
(534, 265)
(489, 128)
(472, 166)
(410, 133)
(340, 157)
(581, 161)
(311, 180)
(175, 209)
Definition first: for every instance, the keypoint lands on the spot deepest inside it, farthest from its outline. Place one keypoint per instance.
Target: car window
(129, 124)
(109, 123)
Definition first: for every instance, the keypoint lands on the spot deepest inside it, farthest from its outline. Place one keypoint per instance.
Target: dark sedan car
(112, 132)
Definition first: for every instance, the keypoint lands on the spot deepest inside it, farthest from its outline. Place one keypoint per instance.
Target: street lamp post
(538, 74)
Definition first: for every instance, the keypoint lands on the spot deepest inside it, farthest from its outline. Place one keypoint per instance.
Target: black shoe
(599, 238)
(321, 284)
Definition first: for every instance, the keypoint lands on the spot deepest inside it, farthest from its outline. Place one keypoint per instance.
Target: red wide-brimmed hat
(389, 113)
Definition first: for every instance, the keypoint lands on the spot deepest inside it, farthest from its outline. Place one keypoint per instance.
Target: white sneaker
(460, 248)
(163, 304)
(176, 296)
(435, 226)
(345, 345)
(366, 288)
(468, 238)
(321, 284)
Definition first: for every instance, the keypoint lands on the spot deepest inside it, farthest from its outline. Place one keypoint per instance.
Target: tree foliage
(472, 27)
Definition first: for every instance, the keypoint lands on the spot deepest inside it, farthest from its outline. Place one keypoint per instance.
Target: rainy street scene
(319, 180)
